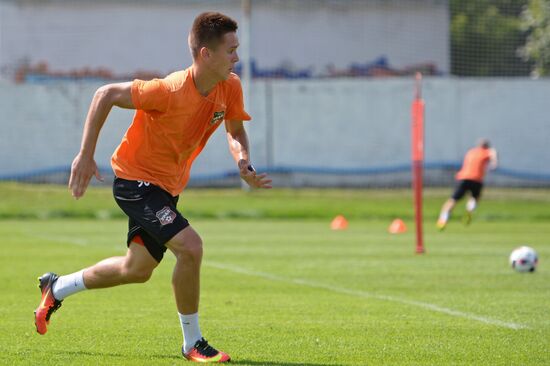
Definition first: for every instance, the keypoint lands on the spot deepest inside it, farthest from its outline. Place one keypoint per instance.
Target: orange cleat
(203, 352)
(48, 304)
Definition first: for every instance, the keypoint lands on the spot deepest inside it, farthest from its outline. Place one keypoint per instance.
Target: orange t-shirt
(474, 165)
(171, 126)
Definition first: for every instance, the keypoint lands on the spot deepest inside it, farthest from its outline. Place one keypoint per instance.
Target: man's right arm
(84, 166)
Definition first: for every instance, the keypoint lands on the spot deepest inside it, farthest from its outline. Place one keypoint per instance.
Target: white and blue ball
(524, 259)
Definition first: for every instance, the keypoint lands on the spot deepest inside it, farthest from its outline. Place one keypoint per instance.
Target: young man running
(470, 179)
(174, 118)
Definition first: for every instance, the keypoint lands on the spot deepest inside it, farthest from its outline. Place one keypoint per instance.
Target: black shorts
(152, 214)
(467, 185)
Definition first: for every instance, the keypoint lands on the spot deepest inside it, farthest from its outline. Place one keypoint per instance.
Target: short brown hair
(208, 29)
(484, 143)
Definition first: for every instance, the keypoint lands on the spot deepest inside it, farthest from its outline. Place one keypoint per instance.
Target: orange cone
(339, 223)
(397, 227)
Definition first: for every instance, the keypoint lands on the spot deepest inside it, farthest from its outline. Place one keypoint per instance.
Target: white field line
(72, 240)
(60, 239)
(364, 294)
(342, 290)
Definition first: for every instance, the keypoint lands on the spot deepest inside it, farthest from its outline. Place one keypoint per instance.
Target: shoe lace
(53, 308)
(205, 349)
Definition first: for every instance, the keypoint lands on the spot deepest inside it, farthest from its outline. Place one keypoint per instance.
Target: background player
(470, 178)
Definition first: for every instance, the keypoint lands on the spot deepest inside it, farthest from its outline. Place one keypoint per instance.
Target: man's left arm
(493, 159)
(239, 148)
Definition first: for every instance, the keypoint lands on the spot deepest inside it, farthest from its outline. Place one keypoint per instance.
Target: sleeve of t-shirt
(151, 95)
(235, 104)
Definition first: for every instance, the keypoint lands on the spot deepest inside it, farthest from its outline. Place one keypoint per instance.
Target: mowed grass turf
(286, 290)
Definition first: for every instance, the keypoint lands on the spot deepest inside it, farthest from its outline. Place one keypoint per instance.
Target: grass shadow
(178, 357)
(269, 363)
(115, 355)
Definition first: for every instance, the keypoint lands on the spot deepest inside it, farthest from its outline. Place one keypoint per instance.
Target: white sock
(68, 285)
(471, 204)
(191, 330)
(444, 216)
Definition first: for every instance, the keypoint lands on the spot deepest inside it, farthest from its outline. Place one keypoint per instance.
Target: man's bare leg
(187, 247)
(137, 266)
(445, 213)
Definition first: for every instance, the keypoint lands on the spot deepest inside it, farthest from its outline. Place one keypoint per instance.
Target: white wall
(407, 32)
(129, 36)
(353, 124)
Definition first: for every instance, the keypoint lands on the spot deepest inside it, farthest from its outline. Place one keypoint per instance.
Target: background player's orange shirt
(474, 165)
(171, 126)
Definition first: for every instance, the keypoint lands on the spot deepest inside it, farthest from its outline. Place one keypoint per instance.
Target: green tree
(535, 19)
(485, 37)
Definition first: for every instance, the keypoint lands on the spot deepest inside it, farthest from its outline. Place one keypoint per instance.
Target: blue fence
(534, 177)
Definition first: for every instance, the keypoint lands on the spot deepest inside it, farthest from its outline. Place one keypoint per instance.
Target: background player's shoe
(203, 352)
(441, 224)
(48, 303)
(467, 218)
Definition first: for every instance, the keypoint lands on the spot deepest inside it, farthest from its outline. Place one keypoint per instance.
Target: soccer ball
(524, 259)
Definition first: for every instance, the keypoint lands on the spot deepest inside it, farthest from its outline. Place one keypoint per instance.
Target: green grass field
(279, 287)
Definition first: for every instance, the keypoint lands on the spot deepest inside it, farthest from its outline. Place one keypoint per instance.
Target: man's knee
(186, 245)
(189, 250)
(138, 265)
(134, 274)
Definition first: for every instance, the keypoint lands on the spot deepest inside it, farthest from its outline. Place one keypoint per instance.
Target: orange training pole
(417, 113)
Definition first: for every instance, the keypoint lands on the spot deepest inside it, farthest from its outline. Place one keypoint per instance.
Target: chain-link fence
(329, 91)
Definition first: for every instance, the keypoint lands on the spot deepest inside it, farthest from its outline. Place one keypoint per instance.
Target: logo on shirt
(165, 216)
(218, 116)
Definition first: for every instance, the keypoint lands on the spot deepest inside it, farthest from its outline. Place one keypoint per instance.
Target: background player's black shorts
(152, 214)
(465, 186)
